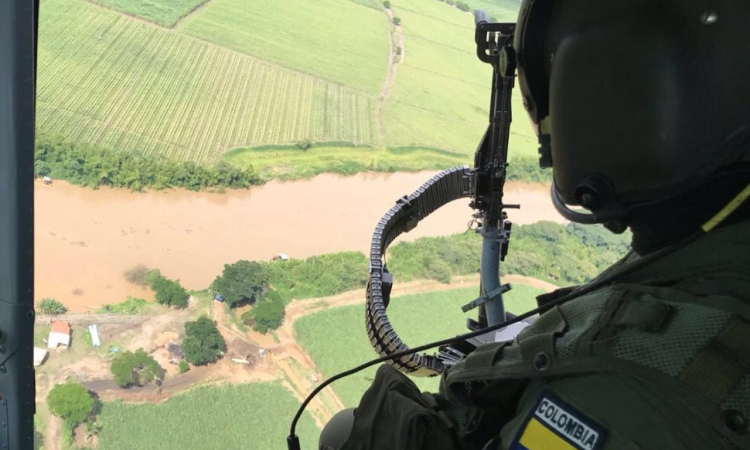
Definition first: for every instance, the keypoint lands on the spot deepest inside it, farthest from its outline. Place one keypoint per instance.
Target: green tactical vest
(658, 360)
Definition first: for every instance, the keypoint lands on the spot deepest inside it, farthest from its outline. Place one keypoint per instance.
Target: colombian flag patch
(555, 425)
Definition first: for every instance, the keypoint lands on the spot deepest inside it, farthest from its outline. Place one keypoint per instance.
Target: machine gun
(484, 184)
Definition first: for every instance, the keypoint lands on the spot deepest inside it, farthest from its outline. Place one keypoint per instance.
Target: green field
(128, 85)
(253, 416)
(442, 90)
(163, 12)
(337, 40)
(336, 338)
(239, 75)
(291, 163)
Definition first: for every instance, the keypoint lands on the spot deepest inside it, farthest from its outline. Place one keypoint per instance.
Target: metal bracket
(490, 296)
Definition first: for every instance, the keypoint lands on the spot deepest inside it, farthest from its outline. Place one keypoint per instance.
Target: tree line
(93, 166)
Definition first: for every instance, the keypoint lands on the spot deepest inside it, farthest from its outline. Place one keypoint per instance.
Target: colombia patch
(554, 425)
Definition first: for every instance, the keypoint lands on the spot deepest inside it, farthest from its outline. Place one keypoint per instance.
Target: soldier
(643, 111)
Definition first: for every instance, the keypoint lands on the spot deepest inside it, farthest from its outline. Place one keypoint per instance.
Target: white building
(59, 335)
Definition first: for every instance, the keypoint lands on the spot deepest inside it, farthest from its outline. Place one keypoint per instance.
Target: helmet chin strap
(607, 215)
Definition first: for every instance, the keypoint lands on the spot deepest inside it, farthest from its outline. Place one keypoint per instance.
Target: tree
(135, 368)
(51, 306)
(267, 314)
(170, 292)
(70, 401)
(397, 21)
(184, 367)
(203, 343)
(387, 4)
(243, 281)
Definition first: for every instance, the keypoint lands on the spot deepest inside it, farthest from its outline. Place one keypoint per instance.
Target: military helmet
(634, 101)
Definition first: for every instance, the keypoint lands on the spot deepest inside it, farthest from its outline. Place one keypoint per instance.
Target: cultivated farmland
(127, 85)
(337, 40)
(163, 12)
(441, 94)
(253, 416)
(336, 338)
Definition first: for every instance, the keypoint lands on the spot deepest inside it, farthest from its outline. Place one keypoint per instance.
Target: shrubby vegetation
(203, 343)
(561, 254)
(527, 169)
(135, 369)
(266, 314)
(51, 306)
(132, 305)
(92, 166)
(318, 276)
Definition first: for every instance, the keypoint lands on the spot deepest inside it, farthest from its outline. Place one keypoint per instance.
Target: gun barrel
(480, 17)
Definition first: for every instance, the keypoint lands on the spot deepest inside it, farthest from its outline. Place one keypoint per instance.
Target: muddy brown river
(86, 239)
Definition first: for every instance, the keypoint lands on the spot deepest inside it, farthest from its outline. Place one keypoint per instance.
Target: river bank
(86, 239)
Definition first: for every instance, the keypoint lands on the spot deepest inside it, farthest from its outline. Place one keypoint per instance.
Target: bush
(151, 276)
(304, 145)
(135, 369)
(203, 343)
(71, 402)
(267, 314)
(51, 306)
(439, 271)
(184, 367)
(137, 275)
(397, 21)
(170, 292)
(387, 4)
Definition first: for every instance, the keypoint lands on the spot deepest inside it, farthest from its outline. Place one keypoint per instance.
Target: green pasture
(336, 338)
(253, 416)
(337, 40)
(291, 162)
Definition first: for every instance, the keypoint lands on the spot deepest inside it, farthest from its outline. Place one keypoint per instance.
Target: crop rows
(126, 85)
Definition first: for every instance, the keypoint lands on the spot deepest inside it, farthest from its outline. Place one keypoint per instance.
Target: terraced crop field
(127, 85)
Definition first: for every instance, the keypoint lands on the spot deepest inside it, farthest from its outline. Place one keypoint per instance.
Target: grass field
(291, 163)
(442, 90)
(248, 416)
(336, 338)
(128, 85)
(163, 12)
(338, 40)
